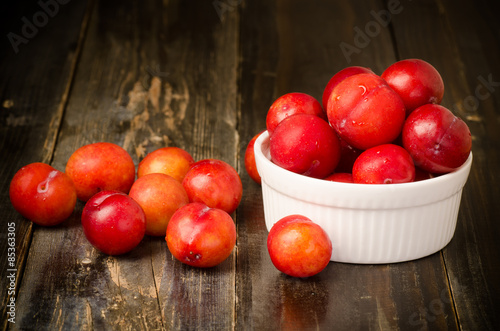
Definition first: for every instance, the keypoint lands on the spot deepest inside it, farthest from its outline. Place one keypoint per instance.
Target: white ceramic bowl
(366, 223)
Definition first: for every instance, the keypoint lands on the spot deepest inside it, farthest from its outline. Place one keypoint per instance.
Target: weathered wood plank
(259, 54)
(36, 68)
(308, 41)
(150, 75)
(472, 257)
(457, 50)
(181, 73)
(201, 50)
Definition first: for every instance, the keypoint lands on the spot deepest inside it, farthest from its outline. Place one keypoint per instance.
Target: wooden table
(201, 75)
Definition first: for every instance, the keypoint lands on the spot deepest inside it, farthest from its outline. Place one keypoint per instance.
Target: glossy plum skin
(305, 144)
(250, 165)
(201, 236)
(42, 194)
(384, 164)
(342, 177)
(172, 161)
(348, 155)
(160, 196)
(298, 247)
(290, 104)
(338, 77)
(113, 222)
(421, 174)
(214, 183)
(365, 111)
(416, 81)
(437, 140)
(100, 167)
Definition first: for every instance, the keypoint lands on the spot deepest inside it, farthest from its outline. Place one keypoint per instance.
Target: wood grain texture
(473, 264)
(342, 296)
(259, 60)
(201, 75)
(462, 54)
(33, 95)
(142, 83)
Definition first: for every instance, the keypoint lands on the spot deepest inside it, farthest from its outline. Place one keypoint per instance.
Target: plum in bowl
(367, 224)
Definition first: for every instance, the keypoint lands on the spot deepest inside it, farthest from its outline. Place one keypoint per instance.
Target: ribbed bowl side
(366, 223)
(373, 235)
